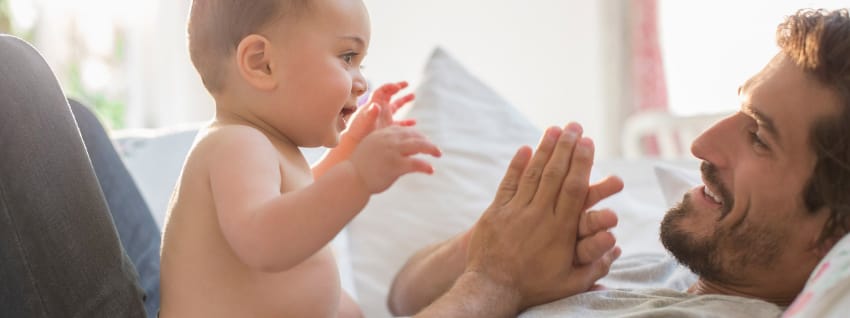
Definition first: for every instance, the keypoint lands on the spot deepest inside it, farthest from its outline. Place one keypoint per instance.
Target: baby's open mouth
(347, 111)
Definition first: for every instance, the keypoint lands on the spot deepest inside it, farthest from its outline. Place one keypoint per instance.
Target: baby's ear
(253, 59)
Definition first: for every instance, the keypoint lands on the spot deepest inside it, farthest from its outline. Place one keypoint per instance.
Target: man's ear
(827, 245)
(253, 60)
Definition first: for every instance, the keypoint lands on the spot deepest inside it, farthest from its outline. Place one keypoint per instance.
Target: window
(711, 47)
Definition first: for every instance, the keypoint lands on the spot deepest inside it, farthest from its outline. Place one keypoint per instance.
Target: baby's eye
(348, 58)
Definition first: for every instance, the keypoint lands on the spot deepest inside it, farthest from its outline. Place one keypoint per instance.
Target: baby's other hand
(387, 154)
(383, 98)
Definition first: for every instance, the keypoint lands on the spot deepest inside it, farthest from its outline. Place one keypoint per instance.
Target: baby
(250, 221)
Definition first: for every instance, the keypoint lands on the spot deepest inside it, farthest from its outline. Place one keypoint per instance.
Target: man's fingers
(574, 190)
(597, 269)
(603, 189)
(553, 174)
(510, 182)
(595, 221)
(593, 247)
(531, 176)
(601, 267)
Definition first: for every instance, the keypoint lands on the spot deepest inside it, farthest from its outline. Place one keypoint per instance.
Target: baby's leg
(59, 249)
(137, 230)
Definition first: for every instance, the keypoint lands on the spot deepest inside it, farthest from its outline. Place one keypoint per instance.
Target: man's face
(747, 226)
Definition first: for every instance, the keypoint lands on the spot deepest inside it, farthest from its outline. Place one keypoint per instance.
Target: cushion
(676, 180)
(478, 132)
(827, 292)
(155, 158)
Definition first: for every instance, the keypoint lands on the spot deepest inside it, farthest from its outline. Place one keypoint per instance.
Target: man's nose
(717, 144)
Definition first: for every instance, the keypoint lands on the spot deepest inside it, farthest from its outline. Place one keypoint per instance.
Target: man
(774, 201)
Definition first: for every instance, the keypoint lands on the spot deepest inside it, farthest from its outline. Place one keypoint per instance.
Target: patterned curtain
(648, 86)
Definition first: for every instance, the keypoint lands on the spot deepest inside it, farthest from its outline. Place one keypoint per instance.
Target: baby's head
(292, 65)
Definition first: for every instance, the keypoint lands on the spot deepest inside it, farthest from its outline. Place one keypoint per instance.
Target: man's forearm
(475, 295)
(427, 276)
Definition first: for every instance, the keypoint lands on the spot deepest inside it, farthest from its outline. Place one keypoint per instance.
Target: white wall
(712, 47)
(556, 60)
(551, 58)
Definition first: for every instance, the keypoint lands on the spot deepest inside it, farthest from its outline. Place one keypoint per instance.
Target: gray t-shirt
(651, 285)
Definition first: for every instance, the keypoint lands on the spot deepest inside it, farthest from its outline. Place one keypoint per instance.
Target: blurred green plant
(111, 111)
(7, 24)
(109, 107)
(5, 19)
(108, 103)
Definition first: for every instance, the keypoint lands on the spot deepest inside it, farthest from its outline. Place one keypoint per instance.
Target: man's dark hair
(819, 42)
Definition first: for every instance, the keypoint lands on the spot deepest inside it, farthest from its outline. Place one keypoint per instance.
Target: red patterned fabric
(648, 83)
(649, 87)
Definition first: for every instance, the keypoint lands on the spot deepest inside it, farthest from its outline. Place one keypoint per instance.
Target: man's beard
(701, 256)
(723, 254)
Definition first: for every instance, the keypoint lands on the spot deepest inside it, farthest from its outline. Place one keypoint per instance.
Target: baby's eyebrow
(354, 38)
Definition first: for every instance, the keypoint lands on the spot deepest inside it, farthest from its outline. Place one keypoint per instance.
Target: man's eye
(757, 141)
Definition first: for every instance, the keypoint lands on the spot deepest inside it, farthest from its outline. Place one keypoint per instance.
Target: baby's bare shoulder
(230, 140)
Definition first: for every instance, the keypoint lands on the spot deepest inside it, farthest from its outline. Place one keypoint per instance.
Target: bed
(478, 132)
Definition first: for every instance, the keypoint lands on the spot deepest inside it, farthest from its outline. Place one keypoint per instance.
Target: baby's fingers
(400, 102)
(405, 122)
(419, 165)
(420, 145)
(385, 92)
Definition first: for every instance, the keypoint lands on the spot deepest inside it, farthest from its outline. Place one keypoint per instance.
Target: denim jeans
(131, 215)
(60, 253)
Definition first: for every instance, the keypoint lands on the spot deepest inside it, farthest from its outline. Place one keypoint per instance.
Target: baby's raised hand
(387, 154)
(382, 98)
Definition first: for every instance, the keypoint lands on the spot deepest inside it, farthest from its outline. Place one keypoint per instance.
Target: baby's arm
(348, 308)
(273, 231)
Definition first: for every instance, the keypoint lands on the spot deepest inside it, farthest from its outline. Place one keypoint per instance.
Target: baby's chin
(331, 143)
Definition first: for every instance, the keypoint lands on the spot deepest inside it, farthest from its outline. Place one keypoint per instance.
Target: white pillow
(675, 180)
(827, 292)
(155, 158)
(478, 132)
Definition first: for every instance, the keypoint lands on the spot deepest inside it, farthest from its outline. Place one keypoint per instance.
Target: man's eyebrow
(763, 120)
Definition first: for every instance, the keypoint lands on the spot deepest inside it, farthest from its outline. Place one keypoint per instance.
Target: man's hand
(534, 244)
(526, 241)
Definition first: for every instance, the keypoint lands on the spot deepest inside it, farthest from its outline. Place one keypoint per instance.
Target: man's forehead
(769, 70)
(785, 100)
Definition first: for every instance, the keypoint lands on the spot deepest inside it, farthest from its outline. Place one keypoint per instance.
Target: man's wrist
(493, 296)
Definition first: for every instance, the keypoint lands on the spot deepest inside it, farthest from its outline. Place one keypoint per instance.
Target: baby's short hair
(216, 27)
